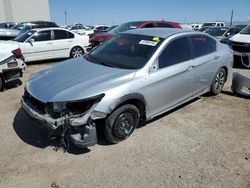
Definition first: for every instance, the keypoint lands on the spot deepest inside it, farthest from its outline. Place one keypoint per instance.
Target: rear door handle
(49, 43)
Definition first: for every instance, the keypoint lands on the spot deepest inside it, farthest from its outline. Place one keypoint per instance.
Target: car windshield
(22, 26)
(23, 37)
(246, 30)
(125, 27)
(216, 31)
(209, 24)
(125, 51)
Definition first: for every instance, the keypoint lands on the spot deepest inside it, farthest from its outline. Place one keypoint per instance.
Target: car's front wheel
(218, 82)
(76, 51)
(121, 123)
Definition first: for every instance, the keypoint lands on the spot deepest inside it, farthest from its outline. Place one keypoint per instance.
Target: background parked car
(196, 27)
(13, 32)
(80, 29)
(8, 25)
(222, 32)
(11, 64)
(48, 43)
(92, 29)
(211, 24)
(106, 30)
(240, 43)
(95, 40)
(226, 38)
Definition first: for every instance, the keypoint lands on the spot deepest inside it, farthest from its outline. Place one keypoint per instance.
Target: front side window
(203, 45)
(23, 37)
(177, 51)
(42, 36)
(125, 51)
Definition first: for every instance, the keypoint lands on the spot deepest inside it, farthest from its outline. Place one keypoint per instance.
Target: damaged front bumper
(81, 130)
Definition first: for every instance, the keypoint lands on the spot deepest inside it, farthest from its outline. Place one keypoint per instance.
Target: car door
(63, 41)
(172, 82)
(39, 46)
(205, 62)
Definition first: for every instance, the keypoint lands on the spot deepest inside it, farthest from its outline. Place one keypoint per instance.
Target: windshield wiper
(89, 58)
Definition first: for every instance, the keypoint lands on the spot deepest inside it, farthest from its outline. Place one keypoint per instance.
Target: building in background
(24, 10)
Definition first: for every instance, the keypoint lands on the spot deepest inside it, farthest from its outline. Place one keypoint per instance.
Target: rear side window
(176, 52)
(203, 45)
(164, 25)
(61, 34)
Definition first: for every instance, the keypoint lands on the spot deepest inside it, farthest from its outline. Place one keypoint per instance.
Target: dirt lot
(205, 143)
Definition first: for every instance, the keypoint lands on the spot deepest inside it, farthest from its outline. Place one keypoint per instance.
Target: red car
(96, 38)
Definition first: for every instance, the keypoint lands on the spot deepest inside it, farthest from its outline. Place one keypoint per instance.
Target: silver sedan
(134, 77)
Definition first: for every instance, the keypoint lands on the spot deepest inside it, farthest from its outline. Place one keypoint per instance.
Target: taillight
(17, 53)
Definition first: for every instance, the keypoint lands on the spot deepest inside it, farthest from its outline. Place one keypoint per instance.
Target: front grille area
(38, 104)
(241, 47)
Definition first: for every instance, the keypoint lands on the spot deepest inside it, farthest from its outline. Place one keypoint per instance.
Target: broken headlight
(59, 106)
(74, 107)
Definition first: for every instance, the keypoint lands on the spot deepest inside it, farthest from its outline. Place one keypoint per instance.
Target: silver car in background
(135, 76)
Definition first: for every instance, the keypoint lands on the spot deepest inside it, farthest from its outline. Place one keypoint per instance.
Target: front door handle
(49, 43)
(190, 67)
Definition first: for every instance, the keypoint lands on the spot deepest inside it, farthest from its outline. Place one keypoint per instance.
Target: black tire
(76, 51)
(218, 82)
(121, 123)
(1, 83)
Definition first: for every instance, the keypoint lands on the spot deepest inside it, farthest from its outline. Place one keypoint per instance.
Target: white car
(80, 29)
(214, 24)
(49, 43)
(95, 28)
(11, 64)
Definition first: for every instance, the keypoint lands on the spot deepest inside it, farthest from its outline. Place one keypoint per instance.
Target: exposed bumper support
(239, 83)
(80, 136)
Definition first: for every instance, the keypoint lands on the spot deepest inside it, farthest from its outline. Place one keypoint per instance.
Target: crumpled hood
(75, 79)
(6, 47)
(244, 38)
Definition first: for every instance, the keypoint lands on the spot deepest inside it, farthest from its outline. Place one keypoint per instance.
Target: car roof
(49, 28)
(159, 32)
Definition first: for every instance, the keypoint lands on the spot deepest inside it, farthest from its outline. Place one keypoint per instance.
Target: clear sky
(119, 11)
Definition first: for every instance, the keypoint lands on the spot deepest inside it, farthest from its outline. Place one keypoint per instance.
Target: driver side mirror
(31, 41)
(154, 67)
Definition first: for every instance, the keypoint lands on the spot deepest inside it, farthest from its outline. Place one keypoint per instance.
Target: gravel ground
(205, 143)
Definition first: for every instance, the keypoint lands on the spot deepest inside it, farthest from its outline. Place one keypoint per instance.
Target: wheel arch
(74, 46)
(136, 99)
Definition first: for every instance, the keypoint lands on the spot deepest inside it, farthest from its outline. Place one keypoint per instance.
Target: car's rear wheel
(76, 51)
(121, 123)
(1, 83)
(218, 82)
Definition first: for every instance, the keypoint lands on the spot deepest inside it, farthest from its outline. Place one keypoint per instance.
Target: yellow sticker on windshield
(156, 39)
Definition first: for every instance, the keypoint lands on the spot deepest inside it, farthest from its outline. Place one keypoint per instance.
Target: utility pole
(231, 20)
(65, 17)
